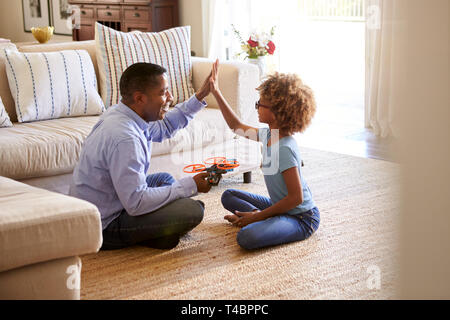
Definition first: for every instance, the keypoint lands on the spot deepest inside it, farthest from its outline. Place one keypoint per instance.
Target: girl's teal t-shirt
(277, 158)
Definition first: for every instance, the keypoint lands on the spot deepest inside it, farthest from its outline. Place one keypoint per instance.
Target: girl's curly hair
(293, 103)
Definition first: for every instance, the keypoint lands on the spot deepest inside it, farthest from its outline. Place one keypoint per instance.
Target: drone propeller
(215, 160)
(218, 166)
(194, 168)
(228, 164)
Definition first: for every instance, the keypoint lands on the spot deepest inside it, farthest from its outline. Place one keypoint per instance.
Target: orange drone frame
(218, 166)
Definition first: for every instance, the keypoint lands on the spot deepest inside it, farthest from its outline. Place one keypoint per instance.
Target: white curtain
(213, 22)
(383, 43)
(218, 16)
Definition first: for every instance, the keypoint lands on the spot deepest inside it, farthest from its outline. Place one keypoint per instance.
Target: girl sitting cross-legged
(289, 214)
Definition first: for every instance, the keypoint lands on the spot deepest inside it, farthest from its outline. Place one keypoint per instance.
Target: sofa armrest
(238, 82)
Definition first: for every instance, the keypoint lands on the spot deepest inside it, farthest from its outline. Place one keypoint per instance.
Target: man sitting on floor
(152, 210)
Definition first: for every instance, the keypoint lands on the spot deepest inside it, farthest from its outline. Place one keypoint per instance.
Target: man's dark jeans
(169, 222)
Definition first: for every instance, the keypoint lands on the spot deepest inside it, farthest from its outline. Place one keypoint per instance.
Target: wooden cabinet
(108, 13)
(163, 15)
(138, 14)
(125, 15)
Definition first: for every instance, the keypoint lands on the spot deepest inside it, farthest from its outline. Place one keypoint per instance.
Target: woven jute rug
(353, 254)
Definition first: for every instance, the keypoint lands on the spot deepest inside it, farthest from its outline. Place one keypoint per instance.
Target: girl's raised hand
(214, 79)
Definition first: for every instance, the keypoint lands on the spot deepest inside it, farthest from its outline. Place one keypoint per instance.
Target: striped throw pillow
(4, 117)
(50, 85)
(118, 50)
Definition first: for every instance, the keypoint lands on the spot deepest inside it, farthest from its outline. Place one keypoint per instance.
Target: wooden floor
(342, 130)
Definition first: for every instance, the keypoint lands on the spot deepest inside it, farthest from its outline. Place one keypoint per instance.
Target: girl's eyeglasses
(257, 105)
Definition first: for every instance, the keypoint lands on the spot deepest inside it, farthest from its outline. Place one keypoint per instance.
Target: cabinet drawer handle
(109, 14)
(137, 15)
(83, 12)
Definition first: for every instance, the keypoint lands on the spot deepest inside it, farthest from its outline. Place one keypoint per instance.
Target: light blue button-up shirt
(115, 159)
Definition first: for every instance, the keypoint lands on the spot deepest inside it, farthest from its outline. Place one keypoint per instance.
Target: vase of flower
(260, 62)
(256, 48)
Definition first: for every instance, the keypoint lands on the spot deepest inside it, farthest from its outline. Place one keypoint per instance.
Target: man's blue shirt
(115, 159)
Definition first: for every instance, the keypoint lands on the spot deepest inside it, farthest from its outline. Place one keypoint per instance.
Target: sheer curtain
(383, 44)
(214, 44)
(246, 15)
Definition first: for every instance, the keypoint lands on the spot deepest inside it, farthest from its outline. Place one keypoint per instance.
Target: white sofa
(42, 235)
(37, 159)
(44, 153)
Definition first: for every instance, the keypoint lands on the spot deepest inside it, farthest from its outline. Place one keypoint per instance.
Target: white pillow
(4, 118)
(118, 50)
(50, 85)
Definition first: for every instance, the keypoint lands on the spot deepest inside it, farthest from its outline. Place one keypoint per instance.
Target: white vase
(260, 62)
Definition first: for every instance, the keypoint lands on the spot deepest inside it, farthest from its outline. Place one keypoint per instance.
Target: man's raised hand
(204, 89)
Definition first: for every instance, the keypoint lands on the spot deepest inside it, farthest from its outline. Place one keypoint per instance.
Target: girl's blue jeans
(276, 230)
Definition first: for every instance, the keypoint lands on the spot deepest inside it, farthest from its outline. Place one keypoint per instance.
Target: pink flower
(252, 43)
(270, 47)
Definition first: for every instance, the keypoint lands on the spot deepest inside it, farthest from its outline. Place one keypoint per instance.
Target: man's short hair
(139, 77)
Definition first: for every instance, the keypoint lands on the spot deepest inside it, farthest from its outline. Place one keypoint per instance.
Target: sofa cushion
(38, 225)
(4, 118)
(52, 147)
(88, 45)
(118, 50)
(207, 127)
(43, 148)
(50, 85)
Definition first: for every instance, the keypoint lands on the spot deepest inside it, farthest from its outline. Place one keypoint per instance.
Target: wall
(191, 14)
(425, 151)
(11, 23)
